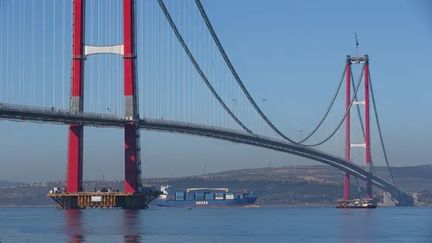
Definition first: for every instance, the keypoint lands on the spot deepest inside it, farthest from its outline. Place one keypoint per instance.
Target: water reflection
(130, 224)
(73, 225)
(124, 224)
(357, 224)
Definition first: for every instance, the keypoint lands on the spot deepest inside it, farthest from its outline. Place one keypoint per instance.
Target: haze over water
(266, 224)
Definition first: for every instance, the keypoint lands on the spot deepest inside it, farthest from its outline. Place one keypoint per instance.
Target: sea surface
(264, 224)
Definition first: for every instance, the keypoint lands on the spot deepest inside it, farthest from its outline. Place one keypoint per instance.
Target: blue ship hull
(238, 202)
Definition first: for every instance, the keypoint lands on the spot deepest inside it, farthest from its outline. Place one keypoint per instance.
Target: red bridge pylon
(74, 176)
(349, 102)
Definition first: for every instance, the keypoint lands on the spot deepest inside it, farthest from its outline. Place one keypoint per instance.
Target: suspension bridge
(177, 78)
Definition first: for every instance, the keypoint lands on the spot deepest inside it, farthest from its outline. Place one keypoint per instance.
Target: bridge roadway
(57, 116)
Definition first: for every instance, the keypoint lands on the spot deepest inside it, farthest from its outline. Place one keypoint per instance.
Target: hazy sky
(290, 53)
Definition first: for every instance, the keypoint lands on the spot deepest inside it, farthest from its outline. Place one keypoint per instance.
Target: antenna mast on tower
(356, 43)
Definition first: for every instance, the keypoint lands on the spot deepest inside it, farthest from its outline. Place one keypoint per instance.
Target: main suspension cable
(234, 73)
(344, 116)
(196, 65)
(380, 132)
(327, 111)
(246, 92)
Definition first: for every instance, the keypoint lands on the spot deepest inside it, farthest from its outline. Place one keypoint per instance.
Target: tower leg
(346, 181)
(75, 138)
(132, 140)
(132, 159)
(346, 187)
(368, 157)
(75, 159)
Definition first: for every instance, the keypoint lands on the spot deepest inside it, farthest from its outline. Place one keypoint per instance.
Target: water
(265, 224)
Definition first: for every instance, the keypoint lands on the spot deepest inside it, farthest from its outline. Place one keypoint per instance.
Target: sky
(290, 53)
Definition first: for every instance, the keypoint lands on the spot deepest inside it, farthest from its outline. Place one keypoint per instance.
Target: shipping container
(229, 195)
(190, 196)
(209, 196)
(219, 196)
(179, 196)
(199, 196)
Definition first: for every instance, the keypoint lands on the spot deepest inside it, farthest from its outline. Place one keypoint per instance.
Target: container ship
(204, 197)
(357, 203)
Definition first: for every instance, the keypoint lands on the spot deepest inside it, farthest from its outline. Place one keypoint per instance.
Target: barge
(357, 203)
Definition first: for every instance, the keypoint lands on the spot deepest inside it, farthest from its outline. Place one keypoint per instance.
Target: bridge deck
(20, 113)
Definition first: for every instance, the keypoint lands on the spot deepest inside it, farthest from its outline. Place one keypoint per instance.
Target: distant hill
(420, 172)
(317, 184)
(413, 178)
(4, 183)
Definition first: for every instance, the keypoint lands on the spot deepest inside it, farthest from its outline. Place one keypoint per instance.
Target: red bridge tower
(133, 196)
(348, 100)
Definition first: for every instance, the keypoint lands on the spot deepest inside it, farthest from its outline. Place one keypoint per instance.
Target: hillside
(319, 184)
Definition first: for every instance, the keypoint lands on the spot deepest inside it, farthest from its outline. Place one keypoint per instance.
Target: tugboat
(357, 203)
(204, 197)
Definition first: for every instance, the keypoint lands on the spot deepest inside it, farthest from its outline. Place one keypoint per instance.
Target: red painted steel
(75, 155)
(75, 138)
(77, 48)
(368, 158)
(346, 181)
(131, 141)
(128, 39)
(131, 157)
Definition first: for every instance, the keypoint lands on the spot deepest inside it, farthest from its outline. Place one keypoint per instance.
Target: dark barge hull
(369, 206)
(357, 203)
